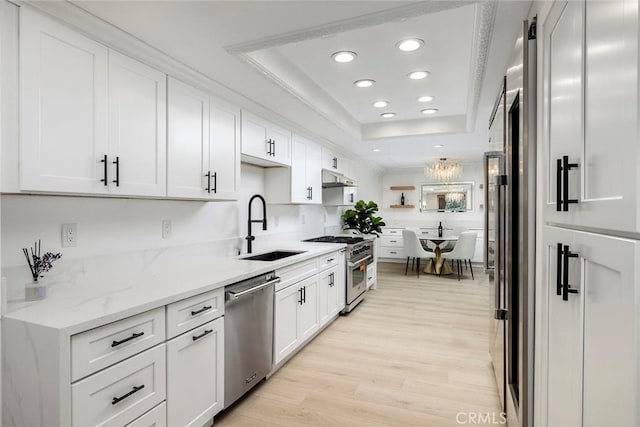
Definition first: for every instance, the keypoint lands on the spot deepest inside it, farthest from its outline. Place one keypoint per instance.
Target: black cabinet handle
(308, 193)
(566, 287)
(203, 309)
(105, 171)
(566, 167)
(121, 398)
(273, 152)
(559, 270)
(332, 280)
(304, 294)
(300, 301)
(215, 182)
(269, 147)
(351, 197)
(132, 337)
(208, 176)
(559, 186)
(311, 188)
(204, 334)
(335, 163)
(117, 180)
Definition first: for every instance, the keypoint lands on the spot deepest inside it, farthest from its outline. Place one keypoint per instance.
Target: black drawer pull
(117, 180)
(566, 287)
(121, 398)
(204, 334)
(215, 182)
(559, 186)
(559, 270)
(132, 337)
(566, 167)
(203, 309)
(208, 176)
(105, 166)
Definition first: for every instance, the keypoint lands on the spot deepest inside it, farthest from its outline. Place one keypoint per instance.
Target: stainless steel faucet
(250, 238)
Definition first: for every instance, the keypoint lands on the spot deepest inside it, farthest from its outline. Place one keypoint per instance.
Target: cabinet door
(324, 283)
(611, 329)
(224, 150)
(300, 192)
(255, 133)
(563, 98)
(350, 195)
(195, 369)
(341, 281)
(314, 171)
(281, 144)
(332, 294)
(564, 340)
(285, 337)
(330, 160)
(63, 107)
(188, 141)
(610, 157)
(137, 128)
(308, 310)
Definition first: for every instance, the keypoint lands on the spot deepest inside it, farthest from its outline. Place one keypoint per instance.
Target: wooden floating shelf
(403, 187)
(403, 206)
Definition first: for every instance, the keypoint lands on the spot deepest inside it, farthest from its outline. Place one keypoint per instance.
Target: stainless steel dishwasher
(248, 334)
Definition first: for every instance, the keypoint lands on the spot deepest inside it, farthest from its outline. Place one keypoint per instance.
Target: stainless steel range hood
(332, 180)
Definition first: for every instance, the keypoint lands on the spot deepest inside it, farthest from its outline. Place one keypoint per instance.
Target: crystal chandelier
(443, 171)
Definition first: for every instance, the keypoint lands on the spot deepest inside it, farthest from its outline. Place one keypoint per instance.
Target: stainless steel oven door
(357, 278)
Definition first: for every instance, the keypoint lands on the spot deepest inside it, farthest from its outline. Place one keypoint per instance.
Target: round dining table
(438, 266)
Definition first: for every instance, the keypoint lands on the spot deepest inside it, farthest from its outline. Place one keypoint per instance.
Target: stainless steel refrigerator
(510, 231)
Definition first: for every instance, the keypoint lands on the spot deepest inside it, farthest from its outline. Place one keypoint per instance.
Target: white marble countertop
(96, 291)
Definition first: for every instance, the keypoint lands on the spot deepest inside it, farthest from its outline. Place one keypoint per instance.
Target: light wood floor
(414, 353)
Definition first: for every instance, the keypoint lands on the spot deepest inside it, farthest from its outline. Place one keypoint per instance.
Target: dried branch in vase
(38, 263)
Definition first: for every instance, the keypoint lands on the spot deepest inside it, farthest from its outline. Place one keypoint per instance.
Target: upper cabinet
(63, 108)
(137, 127)
(332, 161)
(91, 120)
(264, 143)
(302, 182)
(204, 156)
(591, 137)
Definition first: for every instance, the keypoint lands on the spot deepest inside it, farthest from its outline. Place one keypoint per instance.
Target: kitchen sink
(273, 256)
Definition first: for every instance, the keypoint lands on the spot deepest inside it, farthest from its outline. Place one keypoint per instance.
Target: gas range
(357, 247)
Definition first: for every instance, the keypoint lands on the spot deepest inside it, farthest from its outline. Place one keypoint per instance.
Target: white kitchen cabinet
(204, 157)
(586, 84)
(372, 273)
(594, 328)
(391, 243)
(63, 107)
(296, 316)
(264, 143)
(302, 182)
(137, 148)
(195, 375)
(339, 196)
(327, 295)
(157, 417)
(331, 160)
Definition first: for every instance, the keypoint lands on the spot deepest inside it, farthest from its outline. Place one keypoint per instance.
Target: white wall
(472, 172)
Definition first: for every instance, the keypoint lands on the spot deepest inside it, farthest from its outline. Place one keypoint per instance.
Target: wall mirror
(446, 197)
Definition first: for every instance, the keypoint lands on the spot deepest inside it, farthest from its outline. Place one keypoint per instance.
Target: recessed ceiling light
(425, 98)
(438, 146)
(409, 45)
(375, 150)
(418, 75)
(387, 115)
(380, 104)
(429, 111)
(344, 56)
(364, 83)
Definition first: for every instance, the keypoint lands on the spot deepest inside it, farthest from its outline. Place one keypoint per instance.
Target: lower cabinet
(195, 381)
(296, 316)
(592, 301)
(328, 303)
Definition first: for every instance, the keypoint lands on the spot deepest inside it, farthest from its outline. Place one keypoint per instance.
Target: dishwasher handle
(237, 295)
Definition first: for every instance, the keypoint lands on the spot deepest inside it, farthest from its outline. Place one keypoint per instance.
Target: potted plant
(38, 264)
(362, 219)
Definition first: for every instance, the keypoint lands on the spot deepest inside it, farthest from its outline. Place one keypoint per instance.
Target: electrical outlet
(69, 235)
(166, 228)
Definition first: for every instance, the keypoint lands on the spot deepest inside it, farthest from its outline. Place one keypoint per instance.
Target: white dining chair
(413, 249)
(463, 251)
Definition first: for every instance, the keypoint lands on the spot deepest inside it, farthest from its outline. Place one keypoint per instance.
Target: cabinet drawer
(101, 347)
(193, 312)
(391, 241)
(121, 393)
(392, 231)
(391, 252)
(328, 261)
(157, 417)
(371, 273)
(296, 272)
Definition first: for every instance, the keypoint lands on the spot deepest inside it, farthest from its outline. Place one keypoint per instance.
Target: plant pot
(35, 290)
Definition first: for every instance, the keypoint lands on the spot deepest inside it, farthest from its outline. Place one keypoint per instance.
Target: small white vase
(35, 290)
